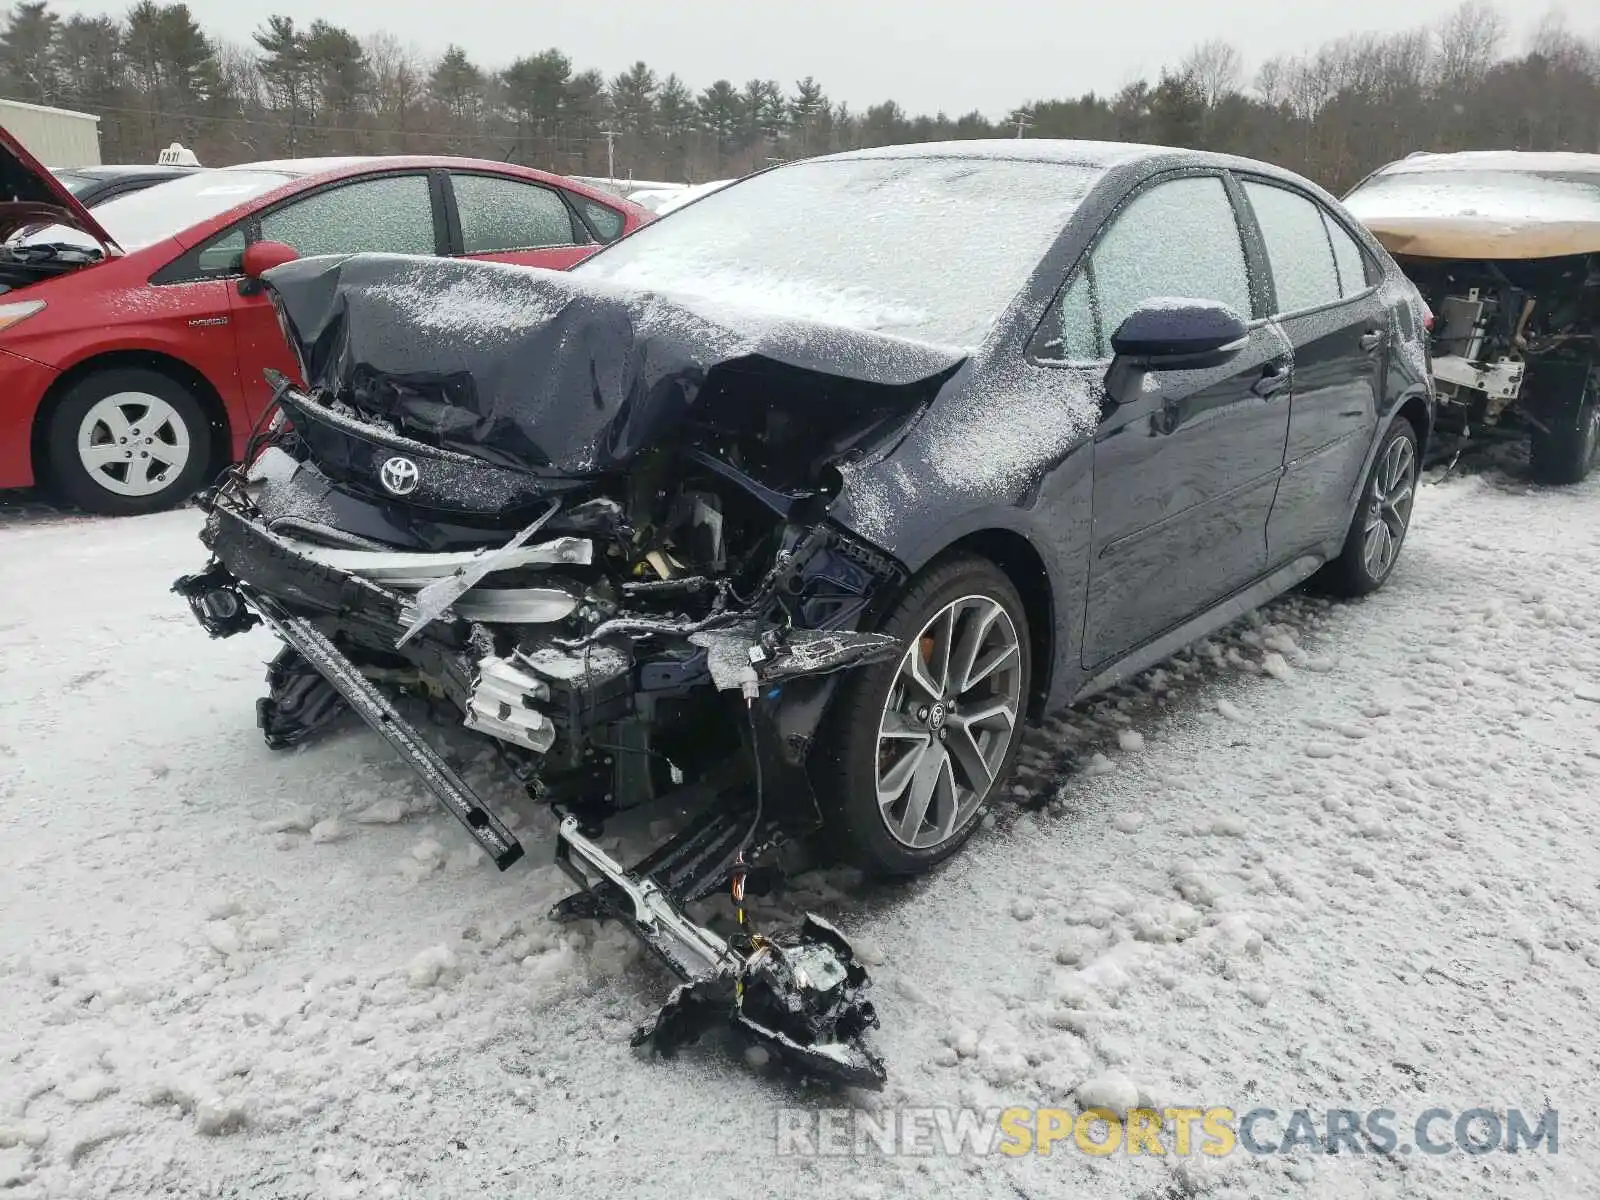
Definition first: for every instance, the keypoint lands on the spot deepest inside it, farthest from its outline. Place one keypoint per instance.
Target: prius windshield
(143, 218)
(932, 249)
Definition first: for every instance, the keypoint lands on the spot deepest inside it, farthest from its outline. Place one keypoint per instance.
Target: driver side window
(1179, 238)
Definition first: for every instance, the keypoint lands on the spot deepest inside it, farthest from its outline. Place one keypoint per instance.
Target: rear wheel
(1568, 452)
(128, 440)
(915, 746)
(1382, 518)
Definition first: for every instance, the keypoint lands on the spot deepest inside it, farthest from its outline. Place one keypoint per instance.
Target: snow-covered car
(1505, 247)
(799, 503)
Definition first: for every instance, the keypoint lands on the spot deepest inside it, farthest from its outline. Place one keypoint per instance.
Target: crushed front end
(671, 624)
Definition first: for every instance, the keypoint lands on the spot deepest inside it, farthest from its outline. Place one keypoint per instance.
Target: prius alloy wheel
(128, 440)
(133, 444)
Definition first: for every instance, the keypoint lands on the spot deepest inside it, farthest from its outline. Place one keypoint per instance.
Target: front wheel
(916, 745)
(1382, 518)
(128, 440)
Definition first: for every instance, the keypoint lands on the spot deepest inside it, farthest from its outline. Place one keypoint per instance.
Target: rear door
(391, 214)
(1186, 466)
(1324, 295)
(505, 219)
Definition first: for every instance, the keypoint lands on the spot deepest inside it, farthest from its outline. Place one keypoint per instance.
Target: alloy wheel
(133, 444)
(948, 721)
(1394, 486)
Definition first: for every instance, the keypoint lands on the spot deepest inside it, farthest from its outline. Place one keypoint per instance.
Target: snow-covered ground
(1346, 857)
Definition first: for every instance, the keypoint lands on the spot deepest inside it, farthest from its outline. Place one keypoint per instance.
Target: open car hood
(560, 375)
(31, 195)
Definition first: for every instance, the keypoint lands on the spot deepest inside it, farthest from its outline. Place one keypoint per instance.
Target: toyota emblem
(399, 476)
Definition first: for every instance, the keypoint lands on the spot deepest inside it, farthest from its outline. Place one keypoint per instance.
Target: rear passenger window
(506, 214)
(1297, 247)
(1351, 262)
(1178, 239)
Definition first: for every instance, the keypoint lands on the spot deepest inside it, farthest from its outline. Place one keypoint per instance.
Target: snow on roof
(1548, 162)
(1091, 154)
(307, 166)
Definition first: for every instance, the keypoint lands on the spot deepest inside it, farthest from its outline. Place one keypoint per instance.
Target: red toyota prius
(133, 340)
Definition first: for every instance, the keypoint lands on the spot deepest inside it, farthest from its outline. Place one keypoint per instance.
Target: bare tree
(1214, 68)
(1272, 80)
(1469, 41)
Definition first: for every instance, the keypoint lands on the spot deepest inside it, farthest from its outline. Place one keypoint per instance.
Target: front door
(1186, 463)
(390, 214)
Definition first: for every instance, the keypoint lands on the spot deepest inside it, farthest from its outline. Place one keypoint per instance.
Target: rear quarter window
(606, 221)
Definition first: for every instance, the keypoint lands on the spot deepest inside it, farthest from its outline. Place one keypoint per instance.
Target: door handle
(1371, 340)
(1275, 376)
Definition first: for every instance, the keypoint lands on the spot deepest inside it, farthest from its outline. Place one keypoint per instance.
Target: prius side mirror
(258, 259)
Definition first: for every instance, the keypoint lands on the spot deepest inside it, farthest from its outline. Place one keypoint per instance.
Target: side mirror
(1179, 334)
(261, 257)
(258, 259)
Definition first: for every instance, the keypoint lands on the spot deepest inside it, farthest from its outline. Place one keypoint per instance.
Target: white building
(57, 137)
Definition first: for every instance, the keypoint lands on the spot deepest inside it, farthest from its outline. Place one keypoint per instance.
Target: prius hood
(560, 375)
(31, 195)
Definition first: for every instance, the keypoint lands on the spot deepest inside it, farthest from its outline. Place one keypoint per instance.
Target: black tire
(1567, 453)
(1355, 572)
(179, 416)
(848, 758)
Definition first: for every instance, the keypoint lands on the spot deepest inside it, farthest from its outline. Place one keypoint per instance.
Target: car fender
(152, 348)
(1052, 518)
(1395, 412)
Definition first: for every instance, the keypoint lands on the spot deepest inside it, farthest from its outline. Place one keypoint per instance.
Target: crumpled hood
(546, 371)
(31, 195)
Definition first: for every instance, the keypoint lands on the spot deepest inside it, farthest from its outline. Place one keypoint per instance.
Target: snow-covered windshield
(1478, 194)
(143, 218)
(931, 249)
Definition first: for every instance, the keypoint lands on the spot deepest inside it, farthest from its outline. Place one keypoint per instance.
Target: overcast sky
(954, 55)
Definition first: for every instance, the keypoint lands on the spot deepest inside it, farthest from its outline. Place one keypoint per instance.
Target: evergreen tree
(286, 70)
(28, 63)
(456, 85)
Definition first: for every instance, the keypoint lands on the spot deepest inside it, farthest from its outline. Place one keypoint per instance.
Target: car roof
(359, 162)
(1067, 152)
(1545, 162)
(308, 168)
(121, 170)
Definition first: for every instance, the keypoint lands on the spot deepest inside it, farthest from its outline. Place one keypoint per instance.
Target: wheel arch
(1023, 565)
(1415, 408)
(220, 441)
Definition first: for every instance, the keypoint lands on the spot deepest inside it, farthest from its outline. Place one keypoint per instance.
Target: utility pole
(611, 154)
(1024, 122)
